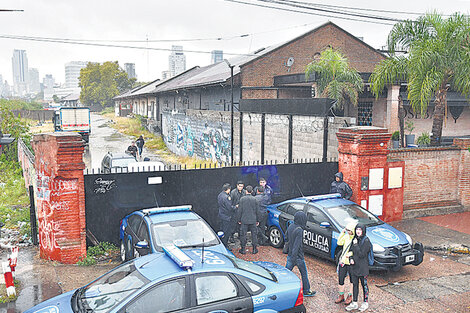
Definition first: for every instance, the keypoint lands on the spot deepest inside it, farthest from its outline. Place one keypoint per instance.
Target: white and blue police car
(193, 280)
(327, 215)
(148, 230)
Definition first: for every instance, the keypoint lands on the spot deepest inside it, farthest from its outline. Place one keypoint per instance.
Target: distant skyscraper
(48, 83)
(34, 86)
(130, 70)
(20, 72)
(72, 72)
(217, 56)
(177, 60)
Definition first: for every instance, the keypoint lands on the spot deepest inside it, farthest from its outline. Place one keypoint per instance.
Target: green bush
(423, 139)
(396, 135)
(94, 252)
(409, 126)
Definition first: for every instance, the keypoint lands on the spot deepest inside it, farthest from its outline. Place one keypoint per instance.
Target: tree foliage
(16, 104)
(438, 59)
(101, 82)
(16, 127)
(336, 79)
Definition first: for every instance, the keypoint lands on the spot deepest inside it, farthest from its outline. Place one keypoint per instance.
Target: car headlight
(408, 237)
(378, 248)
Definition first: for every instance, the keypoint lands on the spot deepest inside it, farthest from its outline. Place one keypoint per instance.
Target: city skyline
(148, 22)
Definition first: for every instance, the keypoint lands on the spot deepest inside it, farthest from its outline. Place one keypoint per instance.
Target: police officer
(341, 187)
(236, 194)
(226, 213)
(263, 202)
(248, 218)
(268, 191)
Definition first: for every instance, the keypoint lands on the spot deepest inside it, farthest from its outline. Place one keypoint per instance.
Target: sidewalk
(440, 232)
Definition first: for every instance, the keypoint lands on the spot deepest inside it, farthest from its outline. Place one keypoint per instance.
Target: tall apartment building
(217, 56)
(48, 83)
(176, 60)
(34, 85)
(20, 72)
(129, 68)
(72, 72)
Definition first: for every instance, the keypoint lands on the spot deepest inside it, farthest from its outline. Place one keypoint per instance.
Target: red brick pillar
(60, 194)
(464, 170)
(377, 182)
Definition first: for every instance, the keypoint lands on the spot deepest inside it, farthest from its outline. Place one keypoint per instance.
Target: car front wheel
(276, 239)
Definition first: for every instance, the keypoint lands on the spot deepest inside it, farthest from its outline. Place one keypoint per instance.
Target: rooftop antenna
(300, 190)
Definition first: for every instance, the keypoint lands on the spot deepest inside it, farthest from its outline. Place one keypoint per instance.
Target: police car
(148, 230)
(327, 215)
(193, 280)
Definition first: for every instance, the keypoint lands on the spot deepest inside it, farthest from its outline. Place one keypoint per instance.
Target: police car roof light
(324, 197)
(178, 256)
(181, 208)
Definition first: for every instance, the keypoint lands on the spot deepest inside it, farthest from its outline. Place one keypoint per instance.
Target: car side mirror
(325, 225)
(220, 234)
(142, 244)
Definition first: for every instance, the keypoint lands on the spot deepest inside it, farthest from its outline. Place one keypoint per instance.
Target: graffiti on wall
(54, 196)
(191, 137)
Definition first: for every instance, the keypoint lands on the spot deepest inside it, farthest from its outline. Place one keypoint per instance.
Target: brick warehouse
(275, 73)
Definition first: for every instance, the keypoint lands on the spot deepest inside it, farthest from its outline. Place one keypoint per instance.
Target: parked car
(149, 230)
(116, 162)
(327, 215)
(194, 281)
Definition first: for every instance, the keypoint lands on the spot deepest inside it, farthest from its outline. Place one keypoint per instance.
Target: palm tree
(438, 59)
(336, 79)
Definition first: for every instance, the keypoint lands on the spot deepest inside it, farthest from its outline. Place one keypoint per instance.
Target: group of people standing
(244, 209)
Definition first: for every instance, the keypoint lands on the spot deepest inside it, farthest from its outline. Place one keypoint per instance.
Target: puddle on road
(114, 137)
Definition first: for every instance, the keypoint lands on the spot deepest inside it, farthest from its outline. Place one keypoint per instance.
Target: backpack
(370, 255)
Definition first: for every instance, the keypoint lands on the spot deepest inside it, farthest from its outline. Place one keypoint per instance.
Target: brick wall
(435, 176)
(60, 196)
(261, 71)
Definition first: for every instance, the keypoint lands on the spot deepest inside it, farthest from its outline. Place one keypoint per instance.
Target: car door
(168, 296)
(317, 238)
(219, 292)
(133, 225)
(143, 235)
(288, 211)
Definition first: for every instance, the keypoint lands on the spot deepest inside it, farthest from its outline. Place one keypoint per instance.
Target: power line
(10, 10)
(310, 13)
(302, 5)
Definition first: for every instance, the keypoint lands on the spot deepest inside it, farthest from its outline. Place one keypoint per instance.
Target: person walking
(345, 240)
(295, 255)
(226, 213)
(268, 191)
(341, 187)
(132, 149)
(140, 144)
(262, 200)
(360, 247)
(248, 218)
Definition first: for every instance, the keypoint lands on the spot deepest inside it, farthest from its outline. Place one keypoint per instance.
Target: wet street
(104, 139)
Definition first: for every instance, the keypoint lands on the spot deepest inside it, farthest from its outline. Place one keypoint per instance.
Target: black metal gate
(110, 197)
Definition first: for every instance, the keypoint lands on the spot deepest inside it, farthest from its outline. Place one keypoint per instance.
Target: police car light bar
(181, 208)
(324, 197)
(178, 256)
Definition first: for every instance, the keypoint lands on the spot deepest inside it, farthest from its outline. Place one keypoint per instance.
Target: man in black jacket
(341, 187)
(359, 268)
(226, 213)
(263, 202)
(248, 218)
(295, 256)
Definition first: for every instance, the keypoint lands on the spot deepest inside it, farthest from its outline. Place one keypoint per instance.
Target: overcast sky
(170, 20)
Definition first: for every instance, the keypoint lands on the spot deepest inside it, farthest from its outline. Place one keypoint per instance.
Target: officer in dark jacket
(226, 213)
(263, 201)
(341, 187)
(248, 218)
(295, 256)
(359, 267)
(268, 191)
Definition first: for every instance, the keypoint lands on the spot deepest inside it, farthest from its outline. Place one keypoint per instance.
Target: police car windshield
(346, 213)
(184, 234)
(252, 268)
(109, 290)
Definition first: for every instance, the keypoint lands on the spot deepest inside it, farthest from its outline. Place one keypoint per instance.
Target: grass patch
(107, 110)
(133, 127)
(103, 251)
(37, 128)
(14, 198)
(3, 292)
